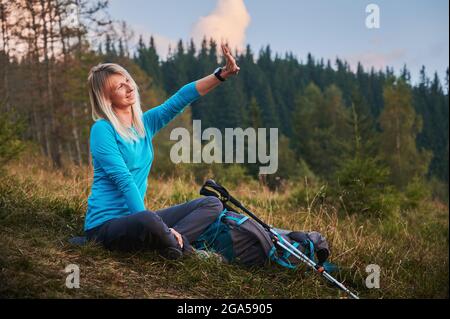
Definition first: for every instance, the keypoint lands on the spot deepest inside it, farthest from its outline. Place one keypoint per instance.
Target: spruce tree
(400, 125)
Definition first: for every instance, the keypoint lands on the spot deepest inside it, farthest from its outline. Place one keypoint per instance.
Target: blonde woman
(122, 154)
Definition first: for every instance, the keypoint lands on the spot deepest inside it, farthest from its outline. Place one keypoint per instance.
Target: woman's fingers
(225, 49)
(231, 62)
(231, 65)
(180, 240)
(226, 52)
(177, 236)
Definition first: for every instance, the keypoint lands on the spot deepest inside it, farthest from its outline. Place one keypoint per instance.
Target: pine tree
(361, 183)
(400, 125)
(254, 116)
(121, 49)
(320, 128)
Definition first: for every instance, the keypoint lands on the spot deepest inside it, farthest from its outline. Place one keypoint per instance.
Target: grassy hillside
(41, 209)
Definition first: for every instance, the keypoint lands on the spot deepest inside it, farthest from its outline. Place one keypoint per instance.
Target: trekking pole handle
(224, 196)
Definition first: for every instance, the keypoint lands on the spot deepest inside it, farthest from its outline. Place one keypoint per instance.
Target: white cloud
(378, 60)
(228, 22)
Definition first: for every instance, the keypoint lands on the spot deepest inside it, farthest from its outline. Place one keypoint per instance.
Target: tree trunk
(76, 136)
(5, 40)
(69, 151)
(36, 79)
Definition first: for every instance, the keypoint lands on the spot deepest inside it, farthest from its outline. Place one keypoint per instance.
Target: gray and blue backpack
(240, 239)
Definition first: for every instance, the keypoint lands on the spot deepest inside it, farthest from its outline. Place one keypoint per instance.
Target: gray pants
(148, 230)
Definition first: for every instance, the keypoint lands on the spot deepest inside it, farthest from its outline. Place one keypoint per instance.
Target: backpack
(240, 239)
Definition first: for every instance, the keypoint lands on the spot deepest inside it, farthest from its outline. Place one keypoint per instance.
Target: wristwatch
(218, 73)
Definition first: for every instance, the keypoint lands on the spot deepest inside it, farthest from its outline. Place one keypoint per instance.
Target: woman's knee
(213, 204)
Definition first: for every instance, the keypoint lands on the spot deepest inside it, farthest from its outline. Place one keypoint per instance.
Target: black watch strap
(218, 73)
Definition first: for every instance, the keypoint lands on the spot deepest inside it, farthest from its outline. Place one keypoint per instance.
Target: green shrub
(416, 191)
(363, 188)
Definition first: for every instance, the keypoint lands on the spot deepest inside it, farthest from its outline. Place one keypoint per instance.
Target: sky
(411, 32)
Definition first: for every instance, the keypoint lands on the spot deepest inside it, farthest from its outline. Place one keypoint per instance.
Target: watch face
(217, 74)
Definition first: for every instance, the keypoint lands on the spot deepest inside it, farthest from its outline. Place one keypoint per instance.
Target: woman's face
(121, 92)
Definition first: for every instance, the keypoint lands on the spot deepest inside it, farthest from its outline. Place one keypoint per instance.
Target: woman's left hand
(231, 67)
(177, 236)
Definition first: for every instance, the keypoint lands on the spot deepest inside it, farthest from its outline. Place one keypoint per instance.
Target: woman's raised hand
(231, 67)
(210, 82)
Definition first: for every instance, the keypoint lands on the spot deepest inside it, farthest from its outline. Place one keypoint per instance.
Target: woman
(122, 153)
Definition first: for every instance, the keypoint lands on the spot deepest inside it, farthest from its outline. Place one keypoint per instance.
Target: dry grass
(40, 209)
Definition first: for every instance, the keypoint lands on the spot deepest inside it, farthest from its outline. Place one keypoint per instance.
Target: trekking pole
(211, 188)
(283, 243)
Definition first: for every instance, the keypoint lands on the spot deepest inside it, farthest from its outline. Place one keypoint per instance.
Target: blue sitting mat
(80, 241)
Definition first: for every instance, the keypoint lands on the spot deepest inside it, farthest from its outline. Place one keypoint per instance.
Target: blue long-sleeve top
(121, 168)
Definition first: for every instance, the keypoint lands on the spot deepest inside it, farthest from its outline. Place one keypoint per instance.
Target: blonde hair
(102, 108)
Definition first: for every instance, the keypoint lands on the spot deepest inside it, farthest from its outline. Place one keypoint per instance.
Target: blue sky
(414, 32)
